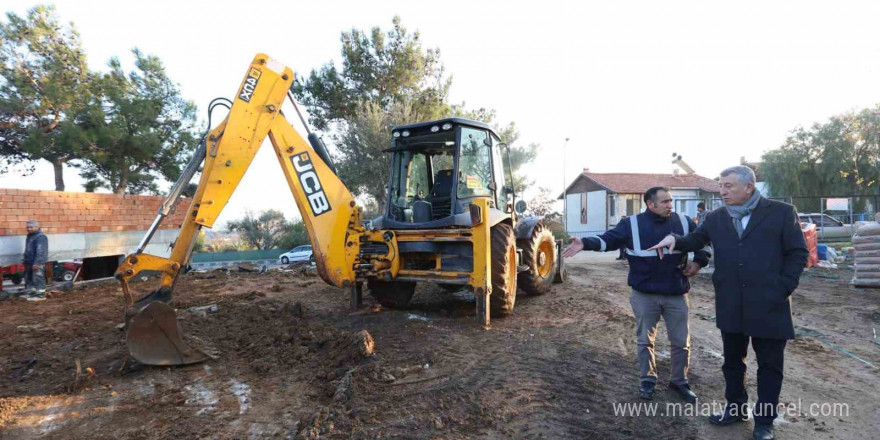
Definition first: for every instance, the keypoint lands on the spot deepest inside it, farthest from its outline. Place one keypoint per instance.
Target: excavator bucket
(154, 338)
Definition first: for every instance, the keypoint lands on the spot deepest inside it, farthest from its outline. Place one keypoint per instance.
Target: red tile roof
(634, 183)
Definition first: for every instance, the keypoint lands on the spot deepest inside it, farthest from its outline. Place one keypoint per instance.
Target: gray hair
(744, 174)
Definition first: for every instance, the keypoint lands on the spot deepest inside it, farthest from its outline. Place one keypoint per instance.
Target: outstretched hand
(667, 243)
(572, 249)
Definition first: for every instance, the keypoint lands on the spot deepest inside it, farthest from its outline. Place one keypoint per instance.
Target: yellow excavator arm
(346, 253)
(328, 209)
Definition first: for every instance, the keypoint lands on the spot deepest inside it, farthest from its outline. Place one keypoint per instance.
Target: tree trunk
(123, 182)
(58, 164)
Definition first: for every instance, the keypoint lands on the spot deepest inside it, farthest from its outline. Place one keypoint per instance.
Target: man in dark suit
(760, 254)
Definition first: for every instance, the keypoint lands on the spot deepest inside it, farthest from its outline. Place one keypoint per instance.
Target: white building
(596, 202)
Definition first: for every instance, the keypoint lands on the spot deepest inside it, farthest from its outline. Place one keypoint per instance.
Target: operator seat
(441, 194)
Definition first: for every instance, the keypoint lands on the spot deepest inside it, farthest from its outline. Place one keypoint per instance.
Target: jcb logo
(305, 172)
(250, 84)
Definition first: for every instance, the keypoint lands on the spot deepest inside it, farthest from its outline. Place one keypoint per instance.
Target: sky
(627, 82)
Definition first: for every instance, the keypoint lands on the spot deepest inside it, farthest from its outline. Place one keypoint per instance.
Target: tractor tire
(540, 256)
(503, 254)
(16, 279)
(392, 294)
(561, 270)
(68, 275)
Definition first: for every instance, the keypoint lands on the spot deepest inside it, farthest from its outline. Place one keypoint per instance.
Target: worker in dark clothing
(659, 286)
(701, 213)
(36, 253)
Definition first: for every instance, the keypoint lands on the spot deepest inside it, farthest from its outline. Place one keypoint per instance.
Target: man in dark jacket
(36, 253)
(659, 287)
(760, 254)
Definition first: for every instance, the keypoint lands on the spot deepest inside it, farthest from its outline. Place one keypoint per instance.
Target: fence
(212, 257)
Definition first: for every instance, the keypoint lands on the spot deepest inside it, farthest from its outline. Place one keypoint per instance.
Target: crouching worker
(659, 287)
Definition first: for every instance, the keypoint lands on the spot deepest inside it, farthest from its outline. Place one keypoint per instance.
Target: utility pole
(564, 191)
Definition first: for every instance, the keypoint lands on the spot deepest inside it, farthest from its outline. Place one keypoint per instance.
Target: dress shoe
(763, 432)
(733, 413)
(684, 390)
(646, 389)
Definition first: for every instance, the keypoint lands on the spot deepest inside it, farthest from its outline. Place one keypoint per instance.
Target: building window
(633, 204)
(583, 208)
(612, 209)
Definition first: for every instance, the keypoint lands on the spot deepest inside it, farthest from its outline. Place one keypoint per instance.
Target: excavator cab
(438, 168)
(440, 171)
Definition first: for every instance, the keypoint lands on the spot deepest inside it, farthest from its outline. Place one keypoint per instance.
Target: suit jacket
(754, 275)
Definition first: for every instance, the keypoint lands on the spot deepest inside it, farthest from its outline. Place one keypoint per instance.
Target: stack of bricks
(70, 212)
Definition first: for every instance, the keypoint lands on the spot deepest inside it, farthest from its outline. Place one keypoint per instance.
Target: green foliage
(838, 157)
(386, 79)
(138, 129)
(379, 68)
(44, 80)
(296, 235)
(265, 231)
(543, 204)
(199, 245)
(509, 134)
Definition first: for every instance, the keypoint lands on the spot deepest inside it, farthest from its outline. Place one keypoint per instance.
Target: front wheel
(540, 256)
(503, 254)
(16, 279)
(68, 275)
(285, 260)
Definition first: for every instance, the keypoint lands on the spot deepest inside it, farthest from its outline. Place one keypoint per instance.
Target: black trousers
(770, 354)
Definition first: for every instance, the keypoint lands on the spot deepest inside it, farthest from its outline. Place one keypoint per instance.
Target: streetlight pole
(564, 191)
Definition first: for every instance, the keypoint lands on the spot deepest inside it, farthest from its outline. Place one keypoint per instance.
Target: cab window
(474, 164)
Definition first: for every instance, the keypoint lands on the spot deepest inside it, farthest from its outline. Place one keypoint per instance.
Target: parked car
(299, 253)
(827, 227)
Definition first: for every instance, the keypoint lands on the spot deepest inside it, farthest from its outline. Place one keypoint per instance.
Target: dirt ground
(293, 362)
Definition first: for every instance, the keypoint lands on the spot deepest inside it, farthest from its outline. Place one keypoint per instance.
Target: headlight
(435, 129)
(405, 133)
(447, 126)
(396, 134)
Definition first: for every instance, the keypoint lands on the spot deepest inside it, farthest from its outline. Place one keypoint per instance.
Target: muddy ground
(293, 362)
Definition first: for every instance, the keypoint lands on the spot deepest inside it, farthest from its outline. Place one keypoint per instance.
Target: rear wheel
(392, 293)
(16, 279)
(503, 256)
(539, 255)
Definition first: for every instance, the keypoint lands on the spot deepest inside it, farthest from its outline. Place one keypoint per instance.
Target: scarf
(738, 212)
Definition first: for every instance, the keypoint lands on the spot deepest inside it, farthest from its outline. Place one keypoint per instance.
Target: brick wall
(63, 212)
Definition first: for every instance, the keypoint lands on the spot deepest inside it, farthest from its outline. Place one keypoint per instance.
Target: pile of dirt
(277, 335)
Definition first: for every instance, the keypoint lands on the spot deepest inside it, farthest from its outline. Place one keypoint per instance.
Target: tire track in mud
(546, 372)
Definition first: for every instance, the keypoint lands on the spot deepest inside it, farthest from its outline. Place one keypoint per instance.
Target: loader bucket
(154, 338)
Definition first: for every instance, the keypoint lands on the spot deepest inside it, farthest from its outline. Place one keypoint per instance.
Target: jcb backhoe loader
(449, 216)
